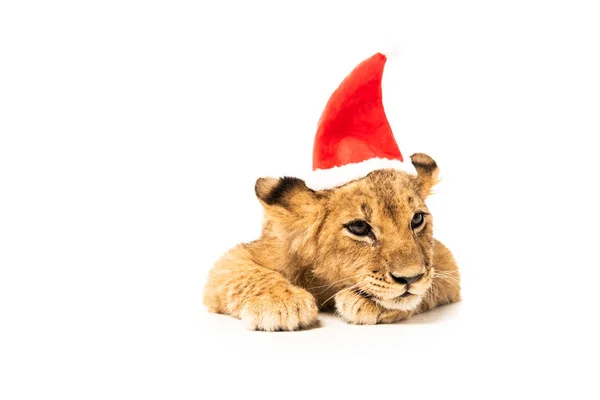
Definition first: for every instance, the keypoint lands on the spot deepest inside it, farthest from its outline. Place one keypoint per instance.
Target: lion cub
(365, 250)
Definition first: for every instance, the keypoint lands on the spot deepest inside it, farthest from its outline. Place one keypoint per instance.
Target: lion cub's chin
(402, 304)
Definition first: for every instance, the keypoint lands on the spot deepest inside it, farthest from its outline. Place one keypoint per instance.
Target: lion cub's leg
(356, 309)
(445, 288)
(259, 296)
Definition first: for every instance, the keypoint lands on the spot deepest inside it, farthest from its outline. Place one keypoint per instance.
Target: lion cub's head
(373, 234)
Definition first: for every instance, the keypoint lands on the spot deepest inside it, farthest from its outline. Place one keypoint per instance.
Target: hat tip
(390, 49)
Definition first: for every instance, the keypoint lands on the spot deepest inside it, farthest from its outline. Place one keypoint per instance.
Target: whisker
(446, 275)
(313, 277)
(332, 296)
(456, 285)
(333, 283)
(447, 278)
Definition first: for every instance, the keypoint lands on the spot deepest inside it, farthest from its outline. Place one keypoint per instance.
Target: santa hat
(353, 136)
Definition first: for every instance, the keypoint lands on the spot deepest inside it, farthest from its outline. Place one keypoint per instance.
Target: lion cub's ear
(286, 192)
(428, 172)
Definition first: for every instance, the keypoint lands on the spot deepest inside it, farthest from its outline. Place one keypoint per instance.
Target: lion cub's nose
(406, 280)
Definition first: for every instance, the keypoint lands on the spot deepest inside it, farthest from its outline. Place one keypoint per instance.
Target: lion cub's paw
(294, 310)
(355, 309)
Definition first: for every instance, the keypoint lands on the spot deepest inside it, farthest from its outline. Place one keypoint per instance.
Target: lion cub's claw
(269, 312)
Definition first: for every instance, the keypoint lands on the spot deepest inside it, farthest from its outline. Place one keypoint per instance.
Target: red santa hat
(354, 136)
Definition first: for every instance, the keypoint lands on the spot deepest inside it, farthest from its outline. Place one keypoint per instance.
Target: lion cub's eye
(417, 220)
(359, 227)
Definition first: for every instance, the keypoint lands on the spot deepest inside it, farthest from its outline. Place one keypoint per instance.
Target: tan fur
(306, 259)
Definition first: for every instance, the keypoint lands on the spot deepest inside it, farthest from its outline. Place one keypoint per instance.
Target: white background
(131, 135)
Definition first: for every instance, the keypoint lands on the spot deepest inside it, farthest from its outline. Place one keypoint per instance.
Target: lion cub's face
(373, 235)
